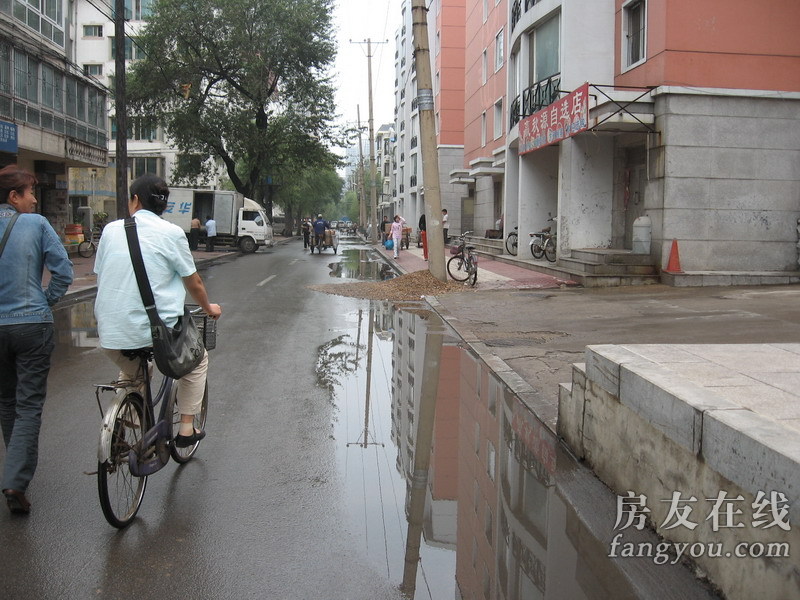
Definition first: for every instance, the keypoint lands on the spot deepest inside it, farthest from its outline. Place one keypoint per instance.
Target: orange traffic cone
(674, 264)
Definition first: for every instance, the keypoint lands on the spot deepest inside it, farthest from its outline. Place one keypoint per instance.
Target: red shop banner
(562, 119)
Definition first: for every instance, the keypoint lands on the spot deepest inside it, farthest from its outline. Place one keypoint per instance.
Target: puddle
(464, 493)
(363, 265)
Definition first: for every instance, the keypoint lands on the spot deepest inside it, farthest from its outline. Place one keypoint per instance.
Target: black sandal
(184, 441)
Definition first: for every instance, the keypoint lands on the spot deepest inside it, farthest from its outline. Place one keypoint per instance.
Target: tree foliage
(243, 81)
(311, 192)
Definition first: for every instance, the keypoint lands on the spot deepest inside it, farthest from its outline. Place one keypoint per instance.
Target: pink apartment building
(485, 114)
(690, 133)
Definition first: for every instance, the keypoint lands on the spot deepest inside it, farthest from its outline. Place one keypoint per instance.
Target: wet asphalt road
(257, 514)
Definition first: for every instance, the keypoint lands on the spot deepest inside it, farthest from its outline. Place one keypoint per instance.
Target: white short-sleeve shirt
(121, 319)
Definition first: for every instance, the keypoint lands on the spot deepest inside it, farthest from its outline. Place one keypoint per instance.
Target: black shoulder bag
(177, 350)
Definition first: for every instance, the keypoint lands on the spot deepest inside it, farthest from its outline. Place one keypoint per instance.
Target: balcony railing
(413, 181)
(516, 10)
(535, 98)
(414, 142)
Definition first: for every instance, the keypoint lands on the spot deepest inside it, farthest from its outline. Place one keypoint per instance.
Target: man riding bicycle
(320, 225)
(122, 322)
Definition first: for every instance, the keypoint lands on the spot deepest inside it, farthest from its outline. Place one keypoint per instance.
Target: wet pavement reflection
(362, 264)
(427, 438)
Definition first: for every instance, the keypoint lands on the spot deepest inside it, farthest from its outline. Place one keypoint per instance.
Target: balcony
(516, 10)
(414, 142)
(535, 98)
(401, 188)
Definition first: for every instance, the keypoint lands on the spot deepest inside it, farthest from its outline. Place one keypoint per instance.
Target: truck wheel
(247, 245)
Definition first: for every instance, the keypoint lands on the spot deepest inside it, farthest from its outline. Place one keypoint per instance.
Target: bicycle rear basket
(207, 327)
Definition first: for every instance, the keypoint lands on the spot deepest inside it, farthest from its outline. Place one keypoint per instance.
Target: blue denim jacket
(32, 245)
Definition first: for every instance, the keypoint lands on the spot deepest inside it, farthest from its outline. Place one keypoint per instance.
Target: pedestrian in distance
(385, 228)
(194, 234)
(445, 225)
(28, 243)
(396, 233)
(122, 322)
(211, 233)
(423, 236)
(306, 229)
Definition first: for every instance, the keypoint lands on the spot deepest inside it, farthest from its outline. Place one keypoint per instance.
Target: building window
(93, 70)
(93, 31)
(43, 16)
(545, 48)
(484, 66)
(485, 10)
(483, 129)
(499, 56)
(145, 164)
(634, 20)
(138, 10)
(132, 49)
(498, 118)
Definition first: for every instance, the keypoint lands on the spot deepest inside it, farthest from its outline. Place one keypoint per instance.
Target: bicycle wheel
(537, 249)
(512, 241)
(473, 271)
(182, 455)
(86, 249)
(550, 250)
(457, 267)
(120, 492)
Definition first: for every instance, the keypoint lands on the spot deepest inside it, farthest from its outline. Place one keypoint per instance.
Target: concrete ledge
(673, 406)
(603, 365)
(729, 278)
(755, 453)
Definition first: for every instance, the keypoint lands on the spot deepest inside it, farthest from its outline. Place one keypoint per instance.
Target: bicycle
(463, 265)
(512, 241)
(543, 243)
(88, 247)
(133, 444)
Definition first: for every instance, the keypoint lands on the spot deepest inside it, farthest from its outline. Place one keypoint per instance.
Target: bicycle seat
(470, 247)
(546, 230)
(145, 353)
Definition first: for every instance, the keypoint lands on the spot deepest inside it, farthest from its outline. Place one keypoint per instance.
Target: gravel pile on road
(405, 287)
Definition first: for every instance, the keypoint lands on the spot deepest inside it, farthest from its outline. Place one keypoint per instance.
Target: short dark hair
(152, 192)
(14, 178)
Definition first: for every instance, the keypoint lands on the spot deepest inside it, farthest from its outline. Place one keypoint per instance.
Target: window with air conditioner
(634, 20)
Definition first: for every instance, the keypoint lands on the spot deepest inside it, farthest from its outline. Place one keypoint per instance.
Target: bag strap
(8, 232)
(141, 273)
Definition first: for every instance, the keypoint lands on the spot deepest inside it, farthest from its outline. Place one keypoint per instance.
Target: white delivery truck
(241, 222)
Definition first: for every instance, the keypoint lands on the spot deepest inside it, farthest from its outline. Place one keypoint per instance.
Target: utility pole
(373, 203)
(362, 204)
(427, 133)
(121, 109)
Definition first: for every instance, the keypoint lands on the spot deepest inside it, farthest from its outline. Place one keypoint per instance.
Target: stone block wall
(646, 431)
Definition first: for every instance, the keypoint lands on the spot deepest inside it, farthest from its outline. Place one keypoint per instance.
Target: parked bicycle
(512, 242)
(133, 443)
(543, 243)
(463, 265)
(88, 246)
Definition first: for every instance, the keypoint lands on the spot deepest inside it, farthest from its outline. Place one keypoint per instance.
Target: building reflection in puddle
(530, 519)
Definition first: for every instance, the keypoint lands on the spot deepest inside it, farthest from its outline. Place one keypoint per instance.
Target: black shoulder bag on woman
(177, 350)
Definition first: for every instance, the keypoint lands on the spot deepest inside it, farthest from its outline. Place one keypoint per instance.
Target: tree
(244, 81)
(313, 191)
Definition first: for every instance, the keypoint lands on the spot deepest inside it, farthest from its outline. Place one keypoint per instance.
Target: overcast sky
(358, 20)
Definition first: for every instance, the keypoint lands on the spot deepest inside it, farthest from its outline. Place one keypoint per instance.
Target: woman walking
(396, 233)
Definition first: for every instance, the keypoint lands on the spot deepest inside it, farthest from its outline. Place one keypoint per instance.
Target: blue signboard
(8, 137)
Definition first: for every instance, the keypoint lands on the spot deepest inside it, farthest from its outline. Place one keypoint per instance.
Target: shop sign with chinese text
(562, 119)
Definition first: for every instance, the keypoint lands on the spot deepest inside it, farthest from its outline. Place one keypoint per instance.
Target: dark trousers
(24, 365)
(306, 235)
(444, 231)
(194, 239)
(210, 243)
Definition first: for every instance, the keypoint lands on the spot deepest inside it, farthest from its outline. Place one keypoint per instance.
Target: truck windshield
(252, 215)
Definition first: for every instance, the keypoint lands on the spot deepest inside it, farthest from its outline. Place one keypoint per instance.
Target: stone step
(602, 268)
(611, 256)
